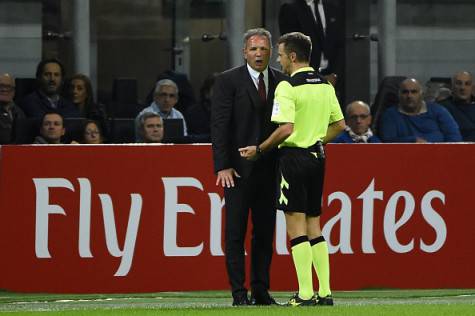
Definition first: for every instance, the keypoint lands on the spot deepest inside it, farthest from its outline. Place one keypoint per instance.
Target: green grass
(355, 303)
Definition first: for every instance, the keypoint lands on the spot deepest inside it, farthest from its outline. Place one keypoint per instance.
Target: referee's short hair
(298, 43)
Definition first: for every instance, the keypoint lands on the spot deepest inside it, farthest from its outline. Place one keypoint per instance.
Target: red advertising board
(138, 218)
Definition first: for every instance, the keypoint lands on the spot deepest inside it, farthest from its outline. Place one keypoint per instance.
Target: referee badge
(275, 108)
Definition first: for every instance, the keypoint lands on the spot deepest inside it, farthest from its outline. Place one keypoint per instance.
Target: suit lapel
(308, 20)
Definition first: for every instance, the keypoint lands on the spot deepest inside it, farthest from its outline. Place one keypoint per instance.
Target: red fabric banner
(138, 218)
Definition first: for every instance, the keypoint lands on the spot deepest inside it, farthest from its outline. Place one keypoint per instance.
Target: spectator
(358, 120)
(198, 116)
(435, 91)
(9, 111)
(324, 23)
(151, 128)
(51, 129)
(47, 97)
(79, 92)
(92, 133)
(165, 98)
(415, 121)
(461, 104)
(186, 97)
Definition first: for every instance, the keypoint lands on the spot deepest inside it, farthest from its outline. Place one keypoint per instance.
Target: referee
(308, 114)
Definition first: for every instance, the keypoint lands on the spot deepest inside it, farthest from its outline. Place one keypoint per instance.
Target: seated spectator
(51, 129)
(165, 98)
(92, 133)
(358, 121)
(9, 111)
(150, 128)
(435, 90)
(198, 116)
(461, 104)
(415, 121)
(186, 97)
(79, 91)
(47, 97)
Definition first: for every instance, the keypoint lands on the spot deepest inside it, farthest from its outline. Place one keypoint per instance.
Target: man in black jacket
(323, 21)
(240, 115)
(9, 111)
(47, 97)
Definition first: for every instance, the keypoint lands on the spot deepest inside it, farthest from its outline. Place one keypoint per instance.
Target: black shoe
(296, 301)
(325, 301)
(241, 301)
(262, 299)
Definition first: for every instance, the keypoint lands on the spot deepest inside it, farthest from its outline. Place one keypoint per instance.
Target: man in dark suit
(323, 21)
(240, 115)
(47, 97)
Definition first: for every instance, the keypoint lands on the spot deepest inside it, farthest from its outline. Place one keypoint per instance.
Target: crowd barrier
(138, 218)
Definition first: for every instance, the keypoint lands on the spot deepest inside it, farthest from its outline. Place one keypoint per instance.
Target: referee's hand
(226, 177)
(249, 152)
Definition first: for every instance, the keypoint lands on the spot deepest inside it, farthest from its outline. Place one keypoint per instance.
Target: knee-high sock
(302, 256)
(321, 263)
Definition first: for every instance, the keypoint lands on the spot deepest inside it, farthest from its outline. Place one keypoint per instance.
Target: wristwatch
(258, 150)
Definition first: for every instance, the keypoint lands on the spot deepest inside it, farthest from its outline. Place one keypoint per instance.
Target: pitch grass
(355, 303)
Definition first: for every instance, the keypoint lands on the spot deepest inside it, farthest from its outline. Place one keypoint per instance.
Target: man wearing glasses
(358, 121)
(164, 100)
(9, 111)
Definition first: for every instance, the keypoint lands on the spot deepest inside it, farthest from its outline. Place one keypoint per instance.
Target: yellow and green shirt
(309, 102)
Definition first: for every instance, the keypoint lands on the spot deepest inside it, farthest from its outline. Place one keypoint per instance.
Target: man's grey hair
(165, 82)
(414, 80)
(12, 78)
(458, 73)
(145, 117)
(357, 102)
(258, 31)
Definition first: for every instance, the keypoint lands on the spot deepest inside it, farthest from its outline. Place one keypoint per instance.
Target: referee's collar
(302, 70)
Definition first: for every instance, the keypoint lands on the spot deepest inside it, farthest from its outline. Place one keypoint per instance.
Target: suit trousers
(254, 194)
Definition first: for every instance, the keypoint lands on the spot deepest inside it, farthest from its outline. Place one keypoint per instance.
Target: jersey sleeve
(336, 114)
(283, 110)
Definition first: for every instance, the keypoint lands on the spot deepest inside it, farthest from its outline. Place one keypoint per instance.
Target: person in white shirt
(164, 100)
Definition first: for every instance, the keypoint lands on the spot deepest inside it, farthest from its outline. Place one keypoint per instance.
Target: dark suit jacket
(238, 118)
(297, 17)
(36, 105)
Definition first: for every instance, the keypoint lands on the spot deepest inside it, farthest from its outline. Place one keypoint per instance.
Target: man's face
(359, 118)
(52, 128)
(410, 96)
(462, 87)
(153, 130)
(284, 60)
(51, 79)
(257, 52)
(166, 98)
(7, 89)
(78, 91)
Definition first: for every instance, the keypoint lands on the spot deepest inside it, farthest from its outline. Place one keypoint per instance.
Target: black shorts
(300, 180)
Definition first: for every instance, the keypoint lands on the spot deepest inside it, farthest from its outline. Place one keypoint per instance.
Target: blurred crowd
(58, 110)
(55, 109)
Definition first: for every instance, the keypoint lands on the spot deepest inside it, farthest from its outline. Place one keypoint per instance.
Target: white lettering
(172, 208)
(43, 209)
(215, 224)
(435, 220)
(344, 217)
(391, 225)
(280, 234)
(131, 233)
(84, 218)
(368, 197)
